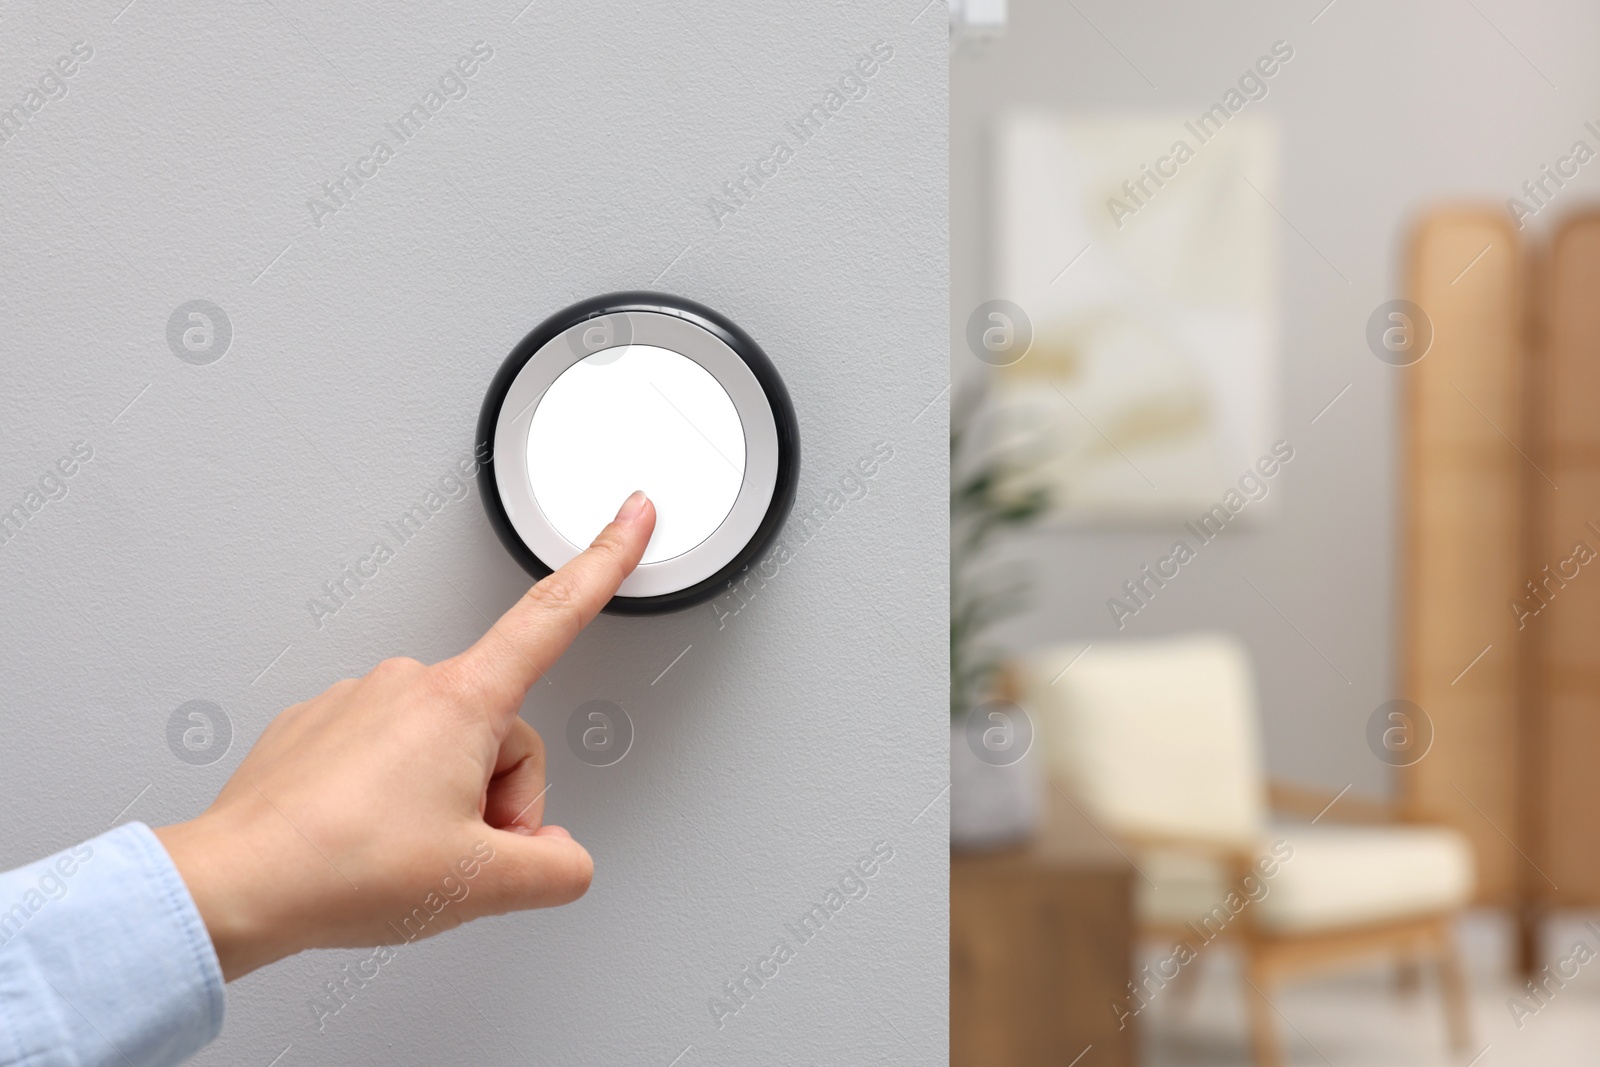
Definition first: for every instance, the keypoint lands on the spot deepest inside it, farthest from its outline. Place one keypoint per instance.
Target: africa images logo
(738, 191)
(853, 884)
(1252, 86)
(50, 86)
(452, 85)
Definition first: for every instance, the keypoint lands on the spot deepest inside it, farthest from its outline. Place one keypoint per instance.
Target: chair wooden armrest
(1239, 863)
(1290, 798)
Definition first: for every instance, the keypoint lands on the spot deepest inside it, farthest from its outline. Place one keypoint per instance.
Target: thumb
(540, 870)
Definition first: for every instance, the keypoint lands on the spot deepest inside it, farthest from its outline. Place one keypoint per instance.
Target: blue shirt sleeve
(104, 959)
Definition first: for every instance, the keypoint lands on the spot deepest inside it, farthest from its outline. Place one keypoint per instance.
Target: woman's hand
(408, 801)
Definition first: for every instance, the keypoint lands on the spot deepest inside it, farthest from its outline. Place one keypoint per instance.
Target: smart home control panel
(640, 391)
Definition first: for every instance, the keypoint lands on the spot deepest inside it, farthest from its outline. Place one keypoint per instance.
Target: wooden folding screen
(1463, 508)
(1564, 566)
(1502, 554)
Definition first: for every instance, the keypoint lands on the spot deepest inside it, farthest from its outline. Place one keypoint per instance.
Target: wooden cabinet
(1041, 947)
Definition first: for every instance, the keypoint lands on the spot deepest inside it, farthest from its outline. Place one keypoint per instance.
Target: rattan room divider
(1500, 561)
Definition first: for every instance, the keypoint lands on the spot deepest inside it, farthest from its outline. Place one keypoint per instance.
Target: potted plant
(994, 784)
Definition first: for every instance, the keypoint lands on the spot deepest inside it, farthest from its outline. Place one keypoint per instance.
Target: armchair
(1158, 741)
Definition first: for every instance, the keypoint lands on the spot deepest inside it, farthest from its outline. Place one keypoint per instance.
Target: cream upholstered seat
(1337, 876)
(1159, 741)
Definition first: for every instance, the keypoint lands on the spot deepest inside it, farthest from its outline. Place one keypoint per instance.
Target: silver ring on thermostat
(751, 388)
(677, 335)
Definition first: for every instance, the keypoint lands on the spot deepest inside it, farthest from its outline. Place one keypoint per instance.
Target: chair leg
(1264, 1044)
(1408, 976)
(1186, 983)
(1528, 913)
(1453, 984)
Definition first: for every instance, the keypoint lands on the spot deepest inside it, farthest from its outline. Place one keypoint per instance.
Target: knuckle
(583, 877)
(608, 541)
(557, 595)
(555, 590)
(452, 677)
(395, 668)
(528, 740)
(572, 875)
(535, 757)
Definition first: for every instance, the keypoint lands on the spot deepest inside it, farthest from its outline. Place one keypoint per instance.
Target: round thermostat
(643, 391)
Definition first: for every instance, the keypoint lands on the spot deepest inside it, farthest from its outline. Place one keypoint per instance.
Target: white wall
(219, 498)
(1385, 109)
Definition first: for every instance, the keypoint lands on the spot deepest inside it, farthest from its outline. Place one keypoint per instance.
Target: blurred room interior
(1276, 478)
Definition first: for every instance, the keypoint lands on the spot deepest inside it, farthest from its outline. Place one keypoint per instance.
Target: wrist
(231, 891)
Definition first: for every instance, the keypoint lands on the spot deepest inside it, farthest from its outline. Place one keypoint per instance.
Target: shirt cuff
(104, 958)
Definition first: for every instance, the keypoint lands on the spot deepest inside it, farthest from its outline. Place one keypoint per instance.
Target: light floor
(1358, 1019)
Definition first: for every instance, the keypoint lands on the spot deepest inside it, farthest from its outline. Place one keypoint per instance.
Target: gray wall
(1385, 109)
(219, 499)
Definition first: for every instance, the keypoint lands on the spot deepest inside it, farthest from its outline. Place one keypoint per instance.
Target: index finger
(528, 639)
